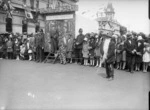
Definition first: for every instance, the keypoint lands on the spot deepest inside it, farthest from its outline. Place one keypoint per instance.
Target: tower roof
(109, 8)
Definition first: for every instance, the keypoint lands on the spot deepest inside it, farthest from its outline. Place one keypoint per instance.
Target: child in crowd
(29, 49)
(146, 56)
(85, 51)
(22, 51)
(91, 49)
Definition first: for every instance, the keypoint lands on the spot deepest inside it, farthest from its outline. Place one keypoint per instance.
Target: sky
(130, 13)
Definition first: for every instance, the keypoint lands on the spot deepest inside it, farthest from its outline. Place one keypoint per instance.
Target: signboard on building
(61, 8)
(59, 17)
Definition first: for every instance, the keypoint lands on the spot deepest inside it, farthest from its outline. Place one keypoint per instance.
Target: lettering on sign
(66, 8)
(59, 17)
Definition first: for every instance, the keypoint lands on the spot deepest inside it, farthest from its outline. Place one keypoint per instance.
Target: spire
(109, 8)
(109, 11)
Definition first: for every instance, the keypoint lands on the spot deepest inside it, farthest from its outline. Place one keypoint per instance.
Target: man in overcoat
(110, 58)
(39, 44)
(130, 48)
(78, 46)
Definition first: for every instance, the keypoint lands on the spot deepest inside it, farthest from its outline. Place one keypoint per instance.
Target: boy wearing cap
(85, 51)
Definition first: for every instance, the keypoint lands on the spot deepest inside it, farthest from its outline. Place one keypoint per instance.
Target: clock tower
(109, 11)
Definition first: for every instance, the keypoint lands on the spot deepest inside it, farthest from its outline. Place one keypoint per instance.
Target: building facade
(107, 23)
(18, 16)
(50, 15)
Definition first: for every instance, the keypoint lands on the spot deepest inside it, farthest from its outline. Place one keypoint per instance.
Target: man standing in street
(39, 44)
(42, 37)
(78, 46)
(110, 58)
(130, 49)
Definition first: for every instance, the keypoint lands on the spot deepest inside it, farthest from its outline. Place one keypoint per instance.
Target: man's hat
(80, 30)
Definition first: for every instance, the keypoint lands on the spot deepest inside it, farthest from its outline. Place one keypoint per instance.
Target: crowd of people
(132, 50)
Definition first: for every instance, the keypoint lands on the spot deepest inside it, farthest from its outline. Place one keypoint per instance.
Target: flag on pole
(28, 14)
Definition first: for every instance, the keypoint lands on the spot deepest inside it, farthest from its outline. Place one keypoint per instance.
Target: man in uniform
(39, 44)
(78, 46)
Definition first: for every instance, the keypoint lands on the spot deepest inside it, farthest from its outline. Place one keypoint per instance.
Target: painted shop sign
(59, 17)
(68, 8)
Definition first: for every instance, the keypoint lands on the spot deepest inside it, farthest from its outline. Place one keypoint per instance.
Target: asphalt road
(29, 85)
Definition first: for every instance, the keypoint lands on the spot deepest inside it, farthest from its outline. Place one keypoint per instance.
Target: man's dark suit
(129, 47)
(39, 44)
(78, 47)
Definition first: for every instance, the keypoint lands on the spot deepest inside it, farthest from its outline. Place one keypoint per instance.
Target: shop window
(8, 24)
(24, 26)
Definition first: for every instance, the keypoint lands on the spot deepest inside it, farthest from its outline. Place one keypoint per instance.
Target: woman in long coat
(97, 50)
(69, 50)
(119, 50)
(139, 53)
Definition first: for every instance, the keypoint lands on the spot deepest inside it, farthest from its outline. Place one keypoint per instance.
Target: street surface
(29, 85)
